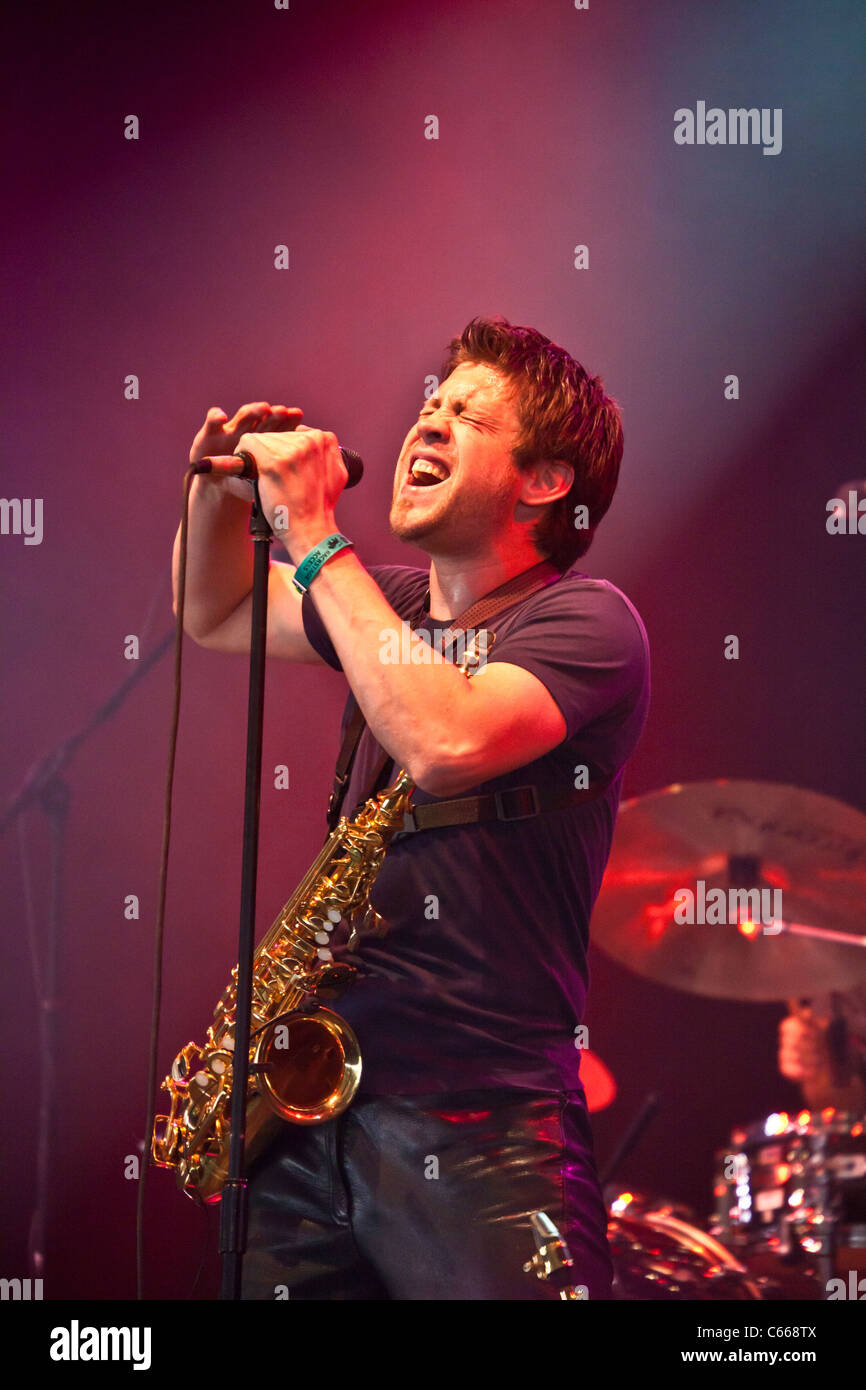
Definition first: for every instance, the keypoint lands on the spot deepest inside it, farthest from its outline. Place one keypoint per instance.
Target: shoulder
(586, 643)
(584, 608)
(402, 585)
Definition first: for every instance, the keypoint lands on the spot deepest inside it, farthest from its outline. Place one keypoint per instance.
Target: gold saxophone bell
(308, 1066)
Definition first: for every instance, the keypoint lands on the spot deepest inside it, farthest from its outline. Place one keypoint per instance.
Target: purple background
(155, 257)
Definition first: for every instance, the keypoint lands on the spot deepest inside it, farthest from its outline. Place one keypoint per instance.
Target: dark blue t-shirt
(481, 980)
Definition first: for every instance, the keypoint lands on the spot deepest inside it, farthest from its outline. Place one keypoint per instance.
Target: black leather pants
(426, 1197)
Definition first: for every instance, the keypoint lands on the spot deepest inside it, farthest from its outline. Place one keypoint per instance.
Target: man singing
(470, 1113)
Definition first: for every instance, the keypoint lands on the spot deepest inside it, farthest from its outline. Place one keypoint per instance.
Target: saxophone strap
(465, 810)
(510, 804)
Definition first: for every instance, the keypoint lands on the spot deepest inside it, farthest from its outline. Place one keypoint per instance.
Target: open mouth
(426, 472)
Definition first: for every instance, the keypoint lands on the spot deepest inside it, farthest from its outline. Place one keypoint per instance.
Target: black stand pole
(45, 787)
(233, 1204)
(633, 1134)
(55, 803)
(41, 777)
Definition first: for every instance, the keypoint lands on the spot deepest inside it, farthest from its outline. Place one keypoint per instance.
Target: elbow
(444, 775)
(194, 631)
(428, 779)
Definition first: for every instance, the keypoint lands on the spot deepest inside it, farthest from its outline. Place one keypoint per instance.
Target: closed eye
(457, 409)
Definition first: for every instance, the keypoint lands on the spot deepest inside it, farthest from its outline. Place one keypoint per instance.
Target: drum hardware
(790, 1194)
(659, 1256)
(631, 1138)
(794, 1188)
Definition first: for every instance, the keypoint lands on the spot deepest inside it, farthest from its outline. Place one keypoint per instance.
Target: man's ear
(545, 481)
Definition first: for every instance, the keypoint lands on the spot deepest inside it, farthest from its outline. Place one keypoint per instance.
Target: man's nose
(434, 426)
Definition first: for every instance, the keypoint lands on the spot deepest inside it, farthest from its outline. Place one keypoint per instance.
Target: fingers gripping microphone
(243, 465)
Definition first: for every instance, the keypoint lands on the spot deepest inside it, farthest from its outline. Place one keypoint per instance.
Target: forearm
(419, 712)
(219, 571)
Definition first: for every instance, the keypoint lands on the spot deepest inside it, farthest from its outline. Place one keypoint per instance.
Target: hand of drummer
(805, 1056)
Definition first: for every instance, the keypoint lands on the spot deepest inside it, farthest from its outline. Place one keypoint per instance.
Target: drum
(794, 1187)
(657, 1255)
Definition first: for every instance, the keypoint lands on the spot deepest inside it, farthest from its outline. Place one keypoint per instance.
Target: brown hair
(563, 414)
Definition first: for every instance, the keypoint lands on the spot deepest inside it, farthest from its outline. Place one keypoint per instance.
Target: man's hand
(301, 476)
(221, 435)
(804, 1056)
(220, 558)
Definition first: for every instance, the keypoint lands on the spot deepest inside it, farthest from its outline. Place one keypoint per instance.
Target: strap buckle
(409, 823)
(529, 790)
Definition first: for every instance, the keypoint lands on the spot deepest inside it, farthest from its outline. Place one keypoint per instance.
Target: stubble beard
(462, 526)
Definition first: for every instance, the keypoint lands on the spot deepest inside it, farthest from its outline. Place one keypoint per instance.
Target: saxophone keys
(375, 923)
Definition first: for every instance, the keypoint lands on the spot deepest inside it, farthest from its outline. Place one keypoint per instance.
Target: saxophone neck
(399, 790)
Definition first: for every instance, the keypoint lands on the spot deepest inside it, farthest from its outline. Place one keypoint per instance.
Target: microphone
(243, 465)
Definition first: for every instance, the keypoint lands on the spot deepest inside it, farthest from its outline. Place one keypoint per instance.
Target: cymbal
(598, 1083)
(808, 848)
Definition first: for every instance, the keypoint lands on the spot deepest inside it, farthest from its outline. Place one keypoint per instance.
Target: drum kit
(789, 1190)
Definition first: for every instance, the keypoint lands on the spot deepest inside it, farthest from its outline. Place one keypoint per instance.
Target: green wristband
(312, 563)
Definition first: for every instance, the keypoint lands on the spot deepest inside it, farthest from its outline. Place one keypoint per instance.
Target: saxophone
(305, 1061)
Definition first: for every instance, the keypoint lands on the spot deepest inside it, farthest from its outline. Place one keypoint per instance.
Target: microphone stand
(46, 786)
(233, 1202)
